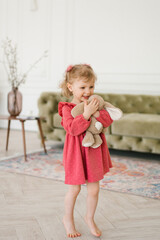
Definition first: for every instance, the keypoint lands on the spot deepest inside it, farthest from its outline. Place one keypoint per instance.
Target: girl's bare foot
(93, 227)
(70, 228)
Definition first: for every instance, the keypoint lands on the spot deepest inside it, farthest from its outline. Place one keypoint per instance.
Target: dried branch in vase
(10, 61)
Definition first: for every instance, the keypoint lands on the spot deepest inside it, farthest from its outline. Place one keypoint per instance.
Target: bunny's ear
(115, 113)
(78, 109)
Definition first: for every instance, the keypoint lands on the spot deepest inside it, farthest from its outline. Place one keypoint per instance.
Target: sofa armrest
(48, 106)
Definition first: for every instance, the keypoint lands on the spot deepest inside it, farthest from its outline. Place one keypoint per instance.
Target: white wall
(119, 38)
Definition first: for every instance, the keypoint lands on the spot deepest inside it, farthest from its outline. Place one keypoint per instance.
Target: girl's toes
(78, 234)
(73, 235)
(98, 233)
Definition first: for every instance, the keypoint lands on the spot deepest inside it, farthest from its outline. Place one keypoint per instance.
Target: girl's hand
(90, 108)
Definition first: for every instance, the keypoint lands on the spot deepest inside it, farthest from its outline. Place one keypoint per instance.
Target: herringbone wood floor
(32, 208)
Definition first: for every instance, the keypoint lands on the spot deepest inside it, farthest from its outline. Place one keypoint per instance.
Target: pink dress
(83, 163)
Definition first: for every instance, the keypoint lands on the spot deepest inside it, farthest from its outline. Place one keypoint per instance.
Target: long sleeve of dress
(104, 118)
(74, 126)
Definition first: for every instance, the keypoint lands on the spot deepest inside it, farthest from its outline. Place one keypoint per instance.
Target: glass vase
(14, 102)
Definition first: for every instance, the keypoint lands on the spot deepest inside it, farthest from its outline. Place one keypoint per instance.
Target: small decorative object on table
(14, 77)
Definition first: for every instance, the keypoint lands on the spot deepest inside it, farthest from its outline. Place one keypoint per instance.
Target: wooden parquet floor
(31, 208)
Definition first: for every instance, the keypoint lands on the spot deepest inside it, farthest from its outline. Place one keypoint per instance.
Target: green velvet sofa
(138, 129)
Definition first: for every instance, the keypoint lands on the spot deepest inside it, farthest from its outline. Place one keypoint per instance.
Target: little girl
(82, 164)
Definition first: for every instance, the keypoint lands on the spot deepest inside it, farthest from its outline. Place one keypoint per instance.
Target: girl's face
(81, 90)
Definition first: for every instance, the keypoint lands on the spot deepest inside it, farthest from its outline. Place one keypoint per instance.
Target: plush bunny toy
(92, 137)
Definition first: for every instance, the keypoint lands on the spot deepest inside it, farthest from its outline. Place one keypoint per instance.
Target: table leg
(24, 141)
(41, 133)
(8, 131)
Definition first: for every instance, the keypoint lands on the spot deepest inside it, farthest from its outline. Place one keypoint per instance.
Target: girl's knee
(75, 189)
(93, 189)
(93, 192)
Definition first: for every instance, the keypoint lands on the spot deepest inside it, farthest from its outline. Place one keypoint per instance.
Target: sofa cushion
(130, 103)
(137, 124)
(57, 121)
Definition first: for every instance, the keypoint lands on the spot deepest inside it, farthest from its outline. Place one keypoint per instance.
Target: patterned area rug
(139, 177)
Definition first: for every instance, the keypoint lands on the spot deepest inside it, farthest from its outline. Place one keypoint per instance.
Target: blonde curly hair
(74, 72)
